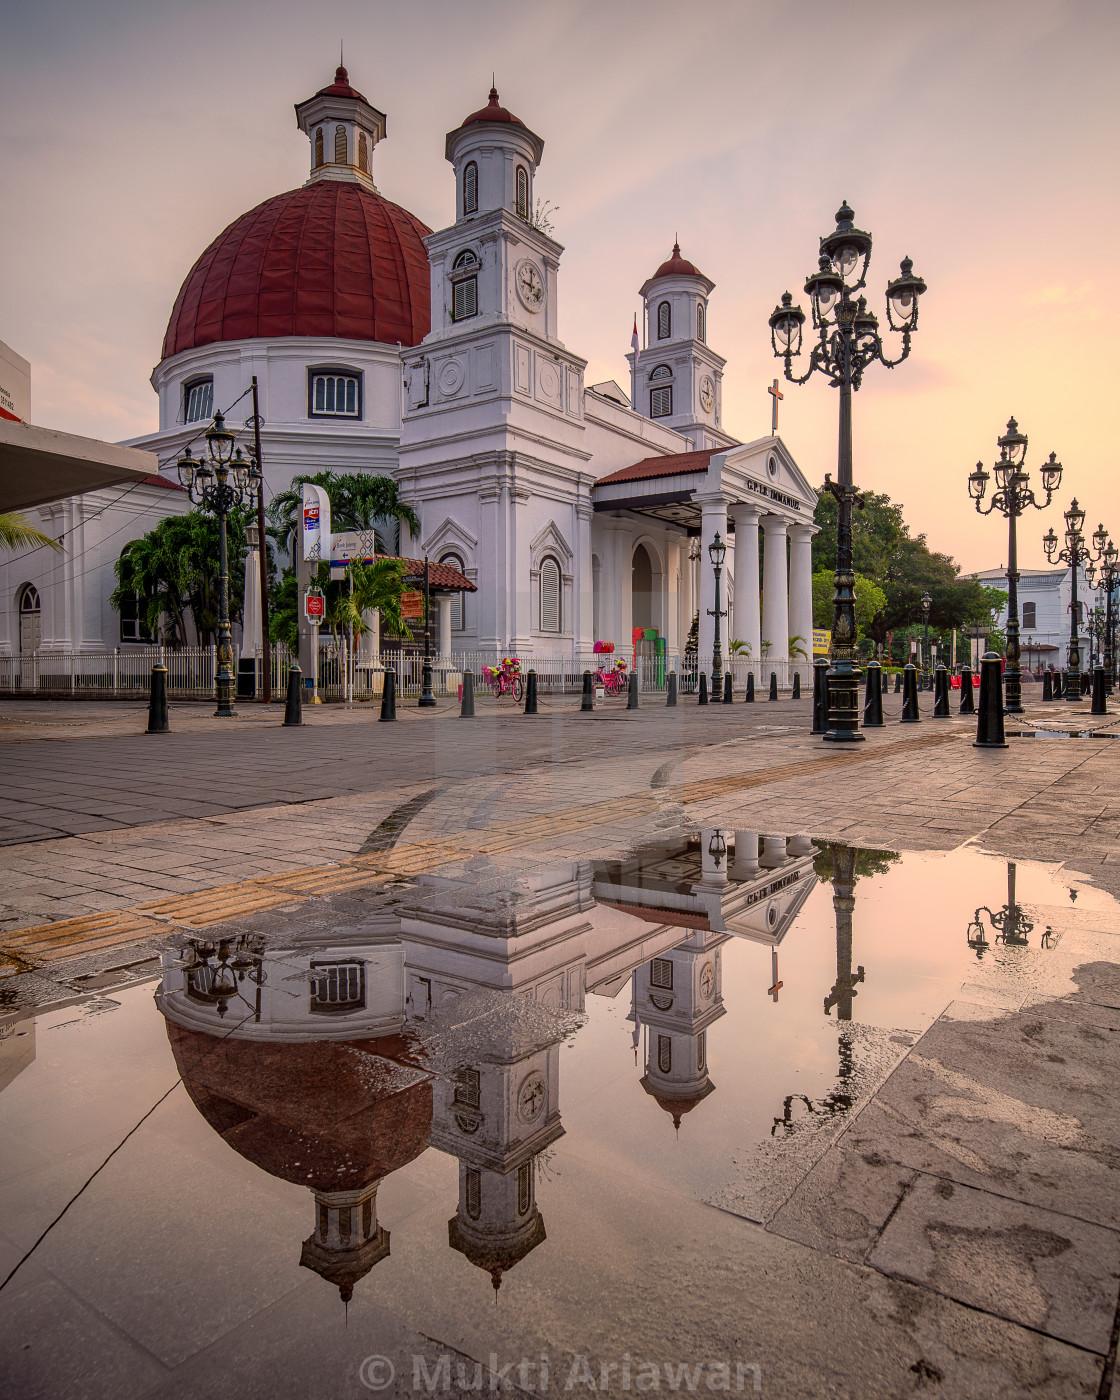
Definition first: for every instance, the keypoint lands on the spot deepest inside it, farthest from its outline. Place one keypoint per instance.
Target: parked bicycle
(505, 679)
(615, 681)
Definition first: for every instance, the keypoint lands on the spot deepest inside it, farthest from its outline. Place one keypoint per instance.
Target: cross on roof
(777, 394)
(777, 987)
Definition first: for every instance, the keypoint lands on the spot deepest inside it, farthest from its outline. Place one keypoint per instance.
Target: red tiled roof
(492, 112)
(676, 266)
(329, 259)
(341, 87)
(439, 575)
(674, 464)
(160, 481)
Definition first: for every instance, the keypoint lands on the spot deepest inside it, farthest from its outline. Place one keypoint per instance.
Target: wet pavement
(674, 1106)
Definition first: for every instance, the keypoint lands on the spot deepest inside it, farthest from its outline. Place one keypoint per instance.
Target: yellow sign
(822, 640)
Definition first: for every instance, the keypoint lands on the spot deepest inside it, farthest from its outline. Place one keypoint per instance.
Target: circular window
(772, 916)
(772, 465)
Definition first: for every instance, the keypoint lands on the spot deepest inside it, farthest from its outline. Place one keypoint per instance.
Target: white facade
(497, 443)
(1045, 596)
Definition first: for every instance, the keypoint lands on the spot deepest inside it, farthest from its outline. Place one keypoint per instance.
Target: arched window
(550, 595)
(198, 400)
(464, 281)
(1029, 615)
(701, 321)
(363, 151)
(470, 188)
(29, 615)
(457, 610)
(318, 148)
(334, 393)
(664, 1054)
(664, 321)
(522, 192)
(661, 396)
(340, 145)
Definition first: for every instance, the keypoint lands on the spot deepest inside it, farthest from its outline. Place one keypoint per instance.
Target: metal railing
(191, 672)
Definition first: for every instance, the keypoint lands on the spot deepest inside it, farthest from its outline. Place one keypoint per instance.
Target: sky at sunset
(978, 138)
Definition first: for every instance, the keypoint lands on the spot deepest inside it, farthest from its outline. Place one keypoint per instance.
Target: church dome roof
(492, 112)
(341, 87)
(676, 266)
(332, 258)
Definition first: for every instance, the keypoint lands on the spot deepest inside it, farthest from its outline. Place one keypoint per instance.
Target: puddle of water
(519, 1079)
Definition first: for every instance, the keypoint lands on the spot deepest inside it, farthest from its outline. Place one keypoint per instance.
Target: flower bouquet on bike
(614, 679)
(506, 678)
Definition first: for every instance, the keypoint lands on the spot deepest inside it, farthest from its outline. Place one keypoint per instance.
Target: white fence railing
(191, 672)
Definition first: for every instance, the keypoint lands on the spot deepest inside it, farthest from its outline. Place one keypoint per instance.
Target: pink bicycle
(505, 679)
(615, 681)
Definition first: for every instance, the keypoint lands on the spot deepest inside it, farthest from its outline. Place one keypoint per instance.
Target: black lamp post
(223, 480)
(927, 603)
(1012, 496)
(427, 699)
(1075, 554)
(717, 552)
(1109, 559)
(848, 342)
(1010, 925)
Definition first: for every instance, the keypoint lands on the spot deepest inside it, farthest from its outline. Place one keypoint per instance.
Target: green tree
(359, 501)
(870, 602)
(16, 530)
(173, 572)
(377, 587)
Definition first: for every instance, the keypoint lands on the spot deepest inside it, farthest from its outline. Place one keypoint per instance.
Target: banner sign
(350, 545)
(822, 640)
(412, 604)
(316, 523)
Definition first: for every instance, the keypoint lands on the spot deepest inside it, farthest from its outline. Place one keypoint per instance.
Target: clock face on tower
(707, 980)
(707, 393)
(530, 285)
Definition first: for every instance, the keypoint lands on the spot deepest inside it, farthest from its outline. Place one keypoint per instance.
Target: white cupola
(343, 129)
(495, 157)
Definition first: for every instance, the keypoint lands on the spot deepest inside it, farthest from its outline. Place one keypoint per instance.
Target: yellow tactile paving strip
(67, 938)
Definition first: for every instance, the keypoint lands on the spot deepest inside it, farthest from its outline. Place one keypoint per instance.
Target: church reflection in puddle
(337, 1059)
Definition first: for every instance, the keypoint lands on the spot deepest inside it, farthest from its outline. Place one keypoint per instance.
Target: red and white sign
(314, 606)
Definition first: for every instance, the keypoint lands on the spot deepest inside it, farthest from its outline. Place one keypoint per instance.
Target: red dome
(676, 266)
(341, 87)
(329, 259)
(492, 112)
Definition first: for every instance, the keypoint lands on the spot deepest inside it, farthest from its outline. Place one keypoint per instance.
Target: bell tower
(677, 378)
(343, 129)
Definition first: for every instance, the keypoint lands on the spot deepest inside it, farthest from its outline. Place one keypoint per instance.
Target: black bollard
(910, 713)
(466, 709)
(671, 690)
(157, 704)
(1047, 686)
(773, 686)
(884, 687)
(587, 703)
(941, 688)
(293, 703)
(748, 698)
(797, 685)
(873, 697)
(1100, 704)
(632, 692)
(702, 689)
(989, 716)
(1086, 683)
(820, 696)
(897, 682)
(531, 693)
(389, 697)
(728, 690)
(968, 701)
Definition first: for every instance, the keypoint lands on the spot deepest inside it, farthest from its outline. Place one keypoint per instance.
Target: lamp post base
(842, 705)
(225, 686)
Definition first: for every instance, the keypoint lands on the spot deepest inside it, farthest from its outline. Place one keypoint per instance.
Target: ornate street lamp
(1012, 496)
(1076, 554)
(848, 341)
(717, 552)
(1010, 925)
(927, 603)
(219, 482)
(1109, 560)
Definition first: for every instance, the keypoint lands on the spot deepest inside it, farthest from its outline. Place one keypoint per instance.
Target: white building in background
(580, 513)
(1045, 596)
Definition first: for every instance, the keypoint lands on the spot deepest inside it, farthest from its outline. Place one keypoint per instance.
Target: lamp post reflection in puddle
(1010, 926)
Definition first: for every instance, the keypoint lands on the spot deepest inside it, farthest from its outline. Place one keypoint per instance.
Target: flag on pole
(635, 343)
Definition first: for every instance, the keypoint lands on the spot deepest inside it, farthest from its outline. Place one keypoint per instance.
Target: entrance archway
(642, 589)
(30, 612)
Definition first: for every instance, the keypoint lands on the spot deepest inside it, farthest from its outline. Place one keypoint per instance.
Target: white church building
(579, 512)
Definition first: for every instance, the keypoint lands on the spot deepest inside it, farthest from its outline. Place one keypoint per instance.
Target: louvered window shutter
(550, 596)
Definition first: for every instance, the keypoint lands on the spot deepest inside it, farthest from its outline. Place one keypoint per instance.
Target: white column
(746, 855)
(369, 644)
(713, 518)
(443, 601)
(251, 636)
(801, 588)
(775, 598)
(773, 851)
(688, 596)
(748, 624)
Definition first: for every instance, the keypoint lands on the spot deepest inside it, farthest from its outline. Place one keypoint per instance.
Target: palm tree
(15, 530)
(377, 588)
(359, 501)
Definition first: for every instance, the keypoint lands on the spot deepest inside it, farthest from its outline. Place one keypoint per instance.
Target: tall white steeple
(677, 378)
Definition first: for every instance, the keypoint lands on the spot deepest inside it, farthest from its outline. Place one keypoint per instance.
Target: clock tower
(677, 378)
